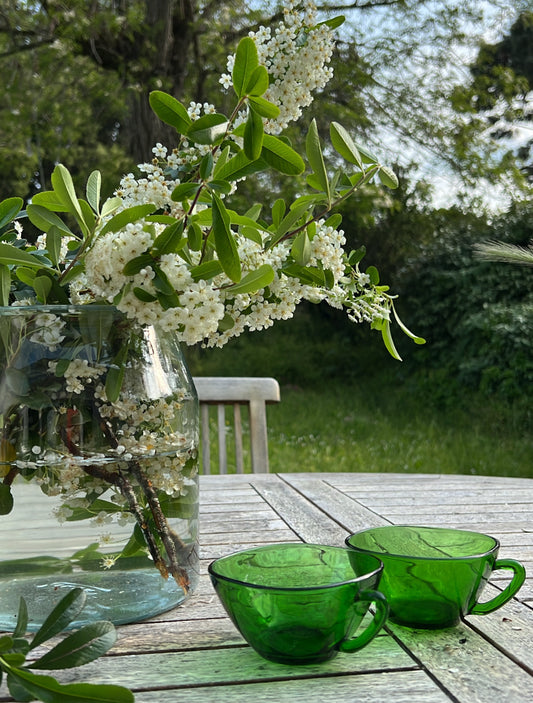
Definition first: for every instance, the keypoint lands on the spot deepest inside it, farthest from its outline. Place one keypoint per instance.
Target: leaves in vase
(6, 497)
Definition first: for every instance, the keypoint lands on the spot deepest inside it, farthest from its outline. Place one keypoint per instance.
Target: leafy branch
(80, 647)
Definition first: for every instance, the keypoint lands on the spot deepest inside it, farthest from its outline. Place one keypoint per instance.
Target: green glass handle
(381, 614)
(502, 598)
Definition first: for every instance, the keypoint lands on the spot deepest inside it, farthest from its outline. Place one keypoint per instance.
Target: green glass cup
(434, 576)
(300, 603)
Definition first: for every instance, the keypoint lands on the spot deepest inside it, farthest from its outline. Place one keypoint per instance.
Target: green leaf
(9, 209)
(22, 619)
(6, 498)
(48, 690)
(64, 188)
(25, 275)
(278, 212)
(83, 646)
(208, 129)
(405, 330)
(89, 216)
(334, 22)
(92, 190)
(5, 284)
(169, 240)
(161, 282)
(43, 219)
(225, 244)
(110, 205)
(387, 340)
(306, 274)
(253, 135)
(170, 111)
(17, 690)
(281, 156)
(206, 166)
(16, 381)
(290, 219)
(388, 177)
(137, 264)
(373, 273)
(184, 191)
(115, 375)
(246, 61)
(251, 233)
(194, 237)
(61, 616)
(6, 643)
(254, 280)
(356, 255)
(95, 326)
(334, 220)
(49, 200)
(344, 144)
(366, 156)
(53, 243)
(258, 83)
(264, 107)
(131, 214)
(42, 286)
(315, 157)
(206, 270)
(220, 186)
(301, 248)
(238, 166)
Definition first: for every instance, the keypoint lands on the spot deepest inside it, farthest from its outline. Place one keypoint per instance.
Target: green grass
(367, 428)
(384, 415)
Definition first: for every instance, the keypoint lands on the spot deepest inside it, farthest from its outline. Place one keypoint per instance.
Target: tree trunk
(163, 63)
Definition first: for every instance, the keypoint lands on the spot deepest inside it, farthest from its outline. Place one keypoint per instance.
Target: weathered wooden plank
(265, 536)
(177, 635)
(212, 527)
(509, 627)
(397, 687)
(458, 509)
(344, 509)
(199, 607)
(231, 665)
(467, 665)
(309, 523)
(418, 479)
(232, 506)
(381, 499)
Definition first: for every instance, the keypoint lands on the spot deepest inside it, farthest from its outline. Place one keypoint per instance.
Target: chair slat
(252, 392)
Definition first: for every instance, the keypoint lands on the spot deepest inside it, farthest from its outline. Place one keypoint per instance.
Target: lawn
(366, 427)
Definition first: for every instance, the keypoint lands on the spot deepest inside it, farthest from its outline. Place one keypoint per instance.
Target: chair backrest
(236, 391)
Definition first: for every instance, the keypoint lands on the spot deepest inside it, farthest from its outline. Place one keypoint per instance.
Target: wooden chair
(235, 391)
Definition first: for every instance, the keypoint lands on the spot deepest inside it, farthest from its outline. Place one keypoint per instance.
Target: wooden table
(194, 653)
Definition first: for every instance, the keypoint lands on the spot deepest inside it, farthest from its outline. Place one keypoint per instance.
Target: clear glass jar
(98, 465)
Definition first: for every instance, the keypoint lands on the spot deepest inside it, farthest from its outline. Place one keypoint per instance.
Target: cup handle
(381, 614)
(502, 598)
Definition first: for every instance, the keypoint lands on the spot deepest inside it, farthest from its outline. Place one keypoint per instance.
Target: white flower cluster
(48, 330)
(201, 305)
(78, 374)
(296, 56)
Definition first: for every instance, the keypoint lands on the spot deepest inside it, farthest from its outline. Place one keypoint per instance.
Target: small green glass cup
(434, 576)
(300, 603)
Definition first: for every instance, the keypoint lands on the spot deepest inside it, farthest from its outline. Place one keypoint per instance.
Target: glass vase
(98, 465)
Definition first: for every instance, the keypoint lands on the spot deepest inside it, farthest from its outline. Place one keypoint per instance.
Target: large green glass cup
(300, 603)
(434, 576)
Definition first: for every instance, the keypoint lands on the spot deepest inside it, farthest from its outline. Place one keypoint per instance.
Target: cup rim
(213, 572)
(495, 547)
